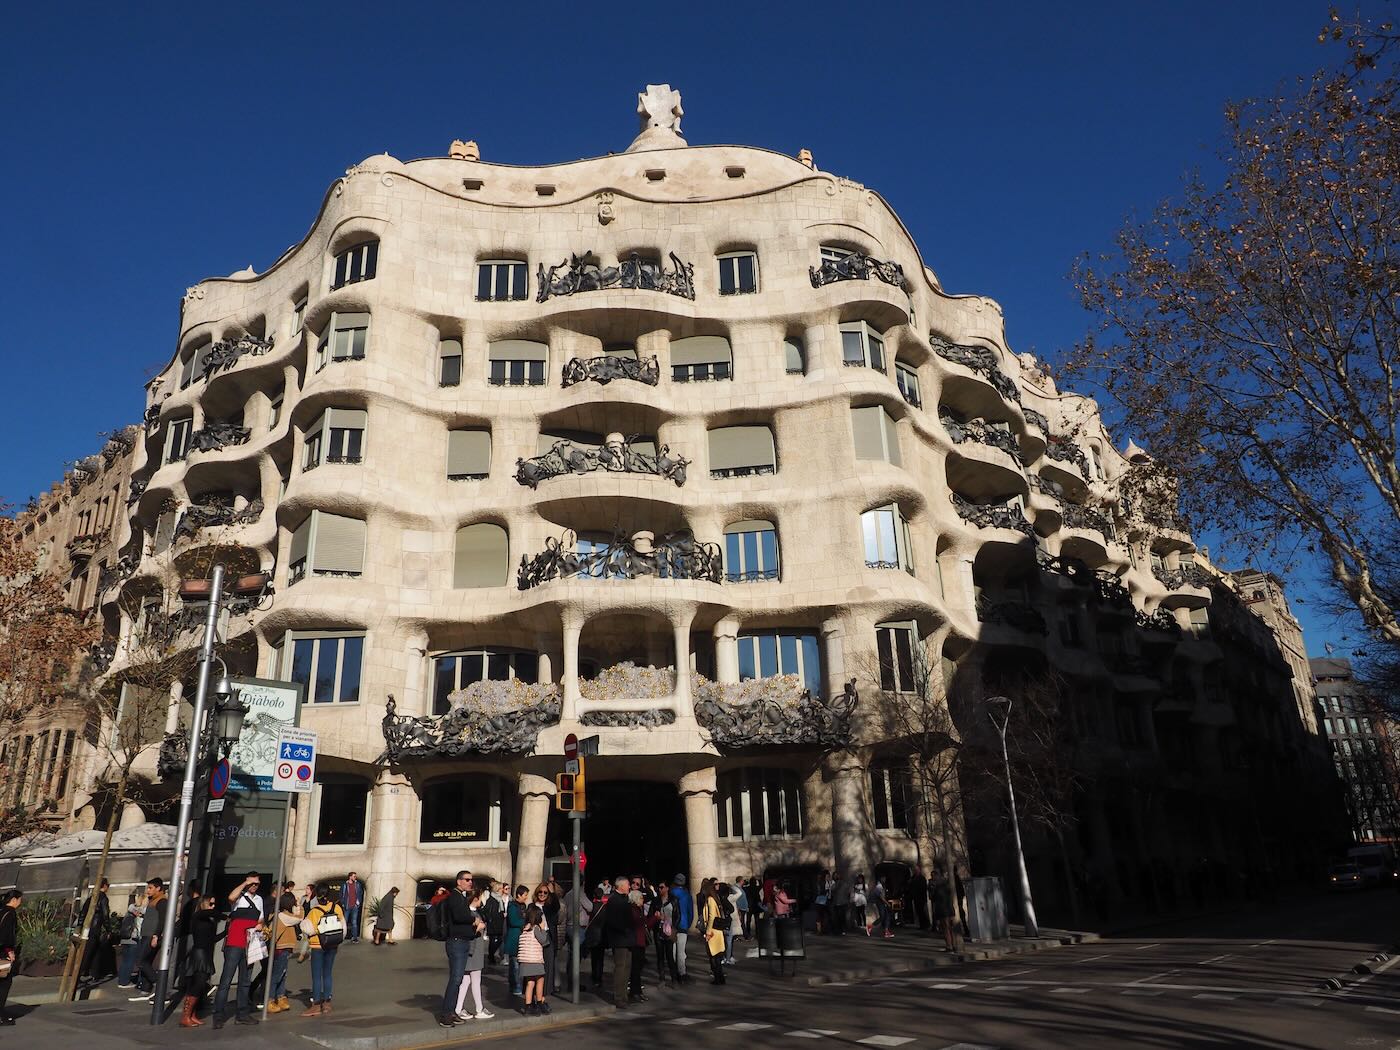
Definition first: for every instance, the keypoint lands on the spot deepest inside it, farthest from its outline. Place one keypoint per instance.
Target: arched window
(453, 671)
(750, 552)
(473, 808)
(766, 654)
(737, 452)
(482, 556)
(758, 804)
(885, 535)
(794, 357)
(701, 358)
(356, 264)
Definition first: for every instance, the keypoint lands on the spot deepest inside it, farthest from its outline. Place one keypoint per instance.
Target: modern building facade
(517, 444)
(1362, 746)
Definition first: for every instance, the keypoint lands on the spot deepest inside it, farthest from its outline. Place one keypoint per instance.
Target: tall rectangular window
(738, 273)
(177, 441)
(894, 644)
(449, 363)
(885, 534)
(500, 280)
(356, 264)
(750, 552)
(862, 347)
(517, 362)
(908, 382)
(343, 340)
(298, 316)
(329, 665)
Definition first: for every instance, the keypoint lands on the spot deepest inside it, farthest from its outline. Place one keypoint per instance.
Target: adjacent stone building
(1362, 749)
(517, 444)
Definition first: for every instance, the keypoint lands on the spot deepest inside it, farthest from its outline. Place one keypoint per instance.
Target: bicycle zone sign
(296, 760)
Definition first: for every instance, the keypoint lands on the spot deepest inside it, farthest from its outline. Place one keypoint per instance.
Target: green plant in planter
(372, 908)
(43, 931)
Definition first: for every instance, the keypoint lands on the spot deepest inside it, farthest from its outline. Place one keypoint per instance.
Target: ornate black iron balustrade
(992, 515)
(744, 472)
(1077, 517)
(1159, 620)
(101, 654)
(1110, 590)
(856, 267)
(980, 432)
(1071, 568)
(607, 367)
(1020, 615)
(464, 730)
(1064, 450)
(982, 361)
(579, 273)
(674, 556)
(120, 570)
(564, 457)
(1190, 575)
(1036, 419)
(215, 436)
(750, 575)
(225, 353)
(751, 715)
(134, 492)
(211, 515)
(651, 718)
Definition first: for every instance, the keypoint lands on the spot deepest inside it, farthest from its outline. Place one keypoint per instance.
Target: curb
(434, 1036)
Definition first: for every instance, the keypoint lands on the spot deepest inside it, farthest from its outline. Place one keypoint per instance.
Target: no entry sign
(219, 778)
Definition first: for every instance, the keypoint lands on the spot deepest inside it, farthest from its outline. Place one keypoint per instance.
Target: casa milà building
(516, 443)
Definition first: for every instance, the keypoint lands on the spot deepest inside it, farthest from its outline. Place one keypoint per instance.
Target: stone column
(851, 827)
(697, 791)
(172, 713)
(535, 795)
(834, 656)
(391, 830)
(680, 628)
(572, 626)
(727, 651)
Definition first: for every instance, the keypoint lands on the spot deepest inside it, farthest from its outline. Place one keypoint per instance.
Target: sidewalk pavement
(387, 997)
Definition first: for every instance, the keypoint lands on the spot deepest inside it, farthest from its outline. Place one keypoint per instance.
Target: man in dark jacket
(918, 898)
(152, 926)
(98, 911)
(463, 927)
(620, 936)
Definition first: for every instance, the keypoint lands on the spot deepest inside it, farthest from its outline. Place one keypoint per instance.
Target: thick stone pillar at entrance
(536, 794)
(850, 823)
(697, 791)
(390, 832)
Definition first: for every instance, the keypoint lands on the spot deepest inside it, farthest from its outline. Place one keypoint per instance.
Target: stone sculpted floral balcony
(980, 432)
(992, 515)
(1076, 517)
(980, 360)
(625, 682)
(614, 457)
(1189, 575)
(604, 368)
(485, 718)
(212, 515)
(225, 353)
(675, 556)
(1065, 451)
(579, 273)
(1012, 613)
(215, 436)
(82, 548)
(856, 267)
(774, 711)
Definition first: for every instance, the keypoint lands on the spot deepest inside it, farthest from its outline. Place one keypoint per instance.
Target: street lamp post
(182, 827)
(1027, 906)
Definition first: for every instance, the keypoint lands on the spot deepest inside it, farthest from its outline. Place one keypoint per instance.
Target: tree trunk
(69, 985)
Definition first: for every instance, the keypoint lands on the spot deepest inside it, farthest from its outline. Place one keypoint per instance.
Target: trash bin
(790, 941)
(986, 909)
(766, 930)
(780, 940)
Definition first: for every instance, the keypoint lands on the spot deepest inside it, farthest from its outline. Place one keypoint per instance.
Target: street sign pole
(274, 896)
(577, 819)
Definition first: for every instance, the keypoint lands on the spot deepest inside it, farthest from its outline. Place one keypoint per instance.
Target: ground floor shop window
(340, 813)
(476, 808)
(758, 804)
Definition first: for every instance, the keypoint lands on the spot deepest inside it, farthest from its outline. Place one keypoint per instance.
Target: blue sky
(148, 150)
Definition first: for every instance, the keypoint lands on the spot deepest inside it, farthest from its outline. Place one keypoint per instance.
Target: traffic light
(568, 792)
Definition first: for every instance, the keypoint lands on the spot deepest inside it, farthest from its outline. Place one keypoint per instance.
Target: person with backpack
(683, 919)
(662, 922)
(325, 926)
(126, 938)
(529, 953)
(246, 915)
(454, 921)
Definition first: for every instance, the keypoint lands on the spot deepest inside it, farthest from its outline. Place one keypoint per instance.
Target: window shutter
(450, 348)
(339, 543)
(346, 418)
(347, 321)
(517, 350)
(753, 525)
(482, 556)
(582, 438)
(701, 350)
(316, 426)
(869, 426)
(468, 452)
(301, 541)
(165, 530)
(732, 447)
(891, 438)
(792, 350)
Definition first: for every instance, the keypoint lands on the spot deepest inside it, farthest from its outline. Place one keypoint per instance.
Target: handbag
(6, 965)
(257, 947)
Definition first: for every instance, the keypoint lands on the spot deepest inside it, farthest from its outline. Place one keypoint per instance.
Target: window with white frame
(298, 316)
(737, 452)
(500, 280)
(862, 346)
(328, 663)
(899, 661)
(326, 545)
(750, 552)
(356, 264)
(517, 362)
(892, 796)
(794, 357)
(885, 534)
(907, 379)
(766, 654)
(343, 339)
(450, 362)
(471, 808)
(336, 436)
(835, 253)
(738, 273)
(701, 358)
(177, 438)
(875, 434)
(756, 803)
(453, 671)
(274, 408)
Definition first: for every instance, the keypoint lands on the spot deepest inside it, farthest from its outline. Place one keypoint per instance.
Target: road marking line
(969, 1046)
(1263, 944)
(886, 1040)
(686, 1020)
(1069, 991)
(1215, 995)
(812, 1033)
(1207, 962)
(1009, 973)
(743, 1026)
(1144, 991)
(1144, 947)
(1369, 977)
(1093, 958)
(1148, 980)
(948, 986)
(1381, 1010)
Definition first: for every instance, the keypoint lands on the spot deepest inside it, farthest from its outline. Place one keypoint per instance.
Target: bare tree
(1250, 331)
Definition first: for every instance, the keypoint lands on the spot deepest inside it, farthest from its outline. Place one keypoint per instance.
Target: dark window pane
(342, 815)
(371, 259)
(877, 354)
(483, 282)
(679, 374)
(883, 644)
(444, 681)
(327, 656)
(302, 652)
(527, 667)
(353, 653)
(354, 441)
(757, 825)
(721, 369)
(811, 665)
(747, 277)
(877, 798)
(517, 282)
(536, 372)
(852, 348)
(773, 790)
(340, 264)
(787, 652)
(726, 277)
(767, 655)
(905, 644)
(792, 799)
(451, 371)
(747, 669)
(472, 666)
(498, 666)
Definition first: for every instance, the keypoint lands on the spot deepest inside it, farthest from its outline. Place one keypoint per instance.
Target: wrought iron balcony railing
(136, 489)
(1159, 620)
(1110, 589)
(218, 435)
(1064, 450)
(212, 515)
(1077, 517)
(1189, 575)
(980, 432)
(564, 457)
(113, 574)
(1014, 613)
(856, 267)
(1036, 419)
(579, 273)
(744, 472)
(992, 515)
(773, 711)
(604, 368)
(675, 556)
(470, 729)
(226, 352)
(982, 361)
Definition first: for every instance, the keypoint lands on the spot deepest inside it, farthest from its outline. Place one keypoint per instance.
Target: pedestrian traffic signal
(568, 792)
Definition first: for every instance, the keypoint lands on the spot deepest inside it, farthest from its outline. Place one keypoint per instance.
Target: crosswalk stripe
(886, 1040)
(812, 1033)
(1069, 991)
(1215, 995)
(743, 1026)
(686, 1020)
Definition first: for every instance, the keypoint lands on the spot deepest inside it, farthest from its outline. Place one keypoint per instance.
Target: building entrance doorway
(633, 827)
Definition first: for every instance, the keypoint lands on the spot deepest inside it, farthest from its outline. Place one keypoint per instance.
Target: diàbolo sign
(272, 706)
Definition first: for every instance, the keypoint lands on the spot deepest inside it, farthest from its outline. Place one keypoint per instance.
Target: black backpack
(438, 920)
(127, 930)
